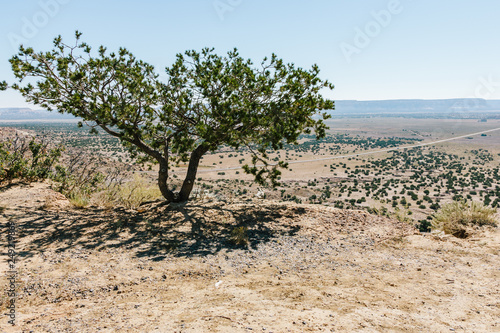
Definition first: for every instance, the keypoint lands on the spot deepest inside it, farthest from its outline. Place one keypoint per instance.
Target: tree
(207, 101)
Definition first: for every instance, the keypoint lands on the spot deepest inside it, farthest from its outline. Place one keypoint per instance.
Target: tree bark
(163, 182)
(194, 161)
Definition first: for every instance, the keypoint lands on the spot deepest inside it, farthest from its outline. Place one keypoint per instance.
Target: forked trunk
(187, 185)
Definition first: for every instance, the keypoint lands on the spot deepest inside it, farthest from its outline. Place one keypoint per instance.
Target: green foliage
(27, 160)
(452, 218)
(207, 101)
(424, 225)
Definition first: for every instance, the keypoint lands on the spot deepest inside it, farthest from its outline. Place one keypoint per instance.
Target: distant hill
(27, 114)
(441, 108)
(446, 108)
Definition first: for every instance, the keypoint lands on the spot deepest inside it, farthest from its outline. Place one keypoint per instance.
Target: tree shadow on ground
(155, 231)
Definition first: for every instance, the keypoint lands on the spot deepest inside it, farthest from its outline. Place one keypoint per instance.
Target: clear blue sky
(370, 50)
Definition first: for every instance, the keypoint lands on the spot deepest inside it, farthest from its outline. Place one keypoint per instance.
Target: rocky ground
(191, 268)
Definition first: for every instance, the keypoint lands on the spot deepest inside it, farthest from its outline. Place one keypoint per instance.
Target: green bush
(424, 225)
(27, 160)
(453, 218)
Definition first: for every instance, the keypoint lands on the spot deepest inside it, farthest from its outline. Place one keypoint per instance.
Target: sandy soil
(175, 268)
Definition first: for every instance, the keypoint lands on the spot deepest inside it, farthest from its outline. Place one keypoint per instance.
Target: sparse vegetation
(225, 217)
(417, 180)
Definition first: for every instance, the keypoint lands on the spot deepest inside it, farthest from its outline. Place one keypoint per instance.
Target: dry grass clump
(239, 236)
(79, 199)
(132, 194)
(129, 194)
(455, 217)
(403, 216)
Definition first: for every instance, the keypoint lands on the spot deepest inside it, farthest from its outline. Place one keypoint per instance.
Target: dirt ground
(177, 268)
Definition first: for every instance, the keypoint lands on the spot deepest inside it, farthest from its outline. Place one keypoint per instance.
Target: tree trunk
(187, 185)
(163, 182)
(194, 161)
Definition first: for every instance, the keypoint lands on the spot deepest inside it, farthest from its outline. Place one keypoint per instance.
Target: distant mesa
(446, 108)
(27, 114)
(443, 108)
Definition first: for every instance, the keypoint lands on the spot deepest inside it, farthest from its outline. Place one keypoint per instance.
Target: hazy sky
(370, 50)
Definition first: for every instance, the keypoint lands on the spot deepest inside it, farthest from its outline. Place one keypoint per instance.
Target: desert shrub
(453, 218)
(27, 160)
(86, 179)
(424, 225)
(79, 175)
(78, 185)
